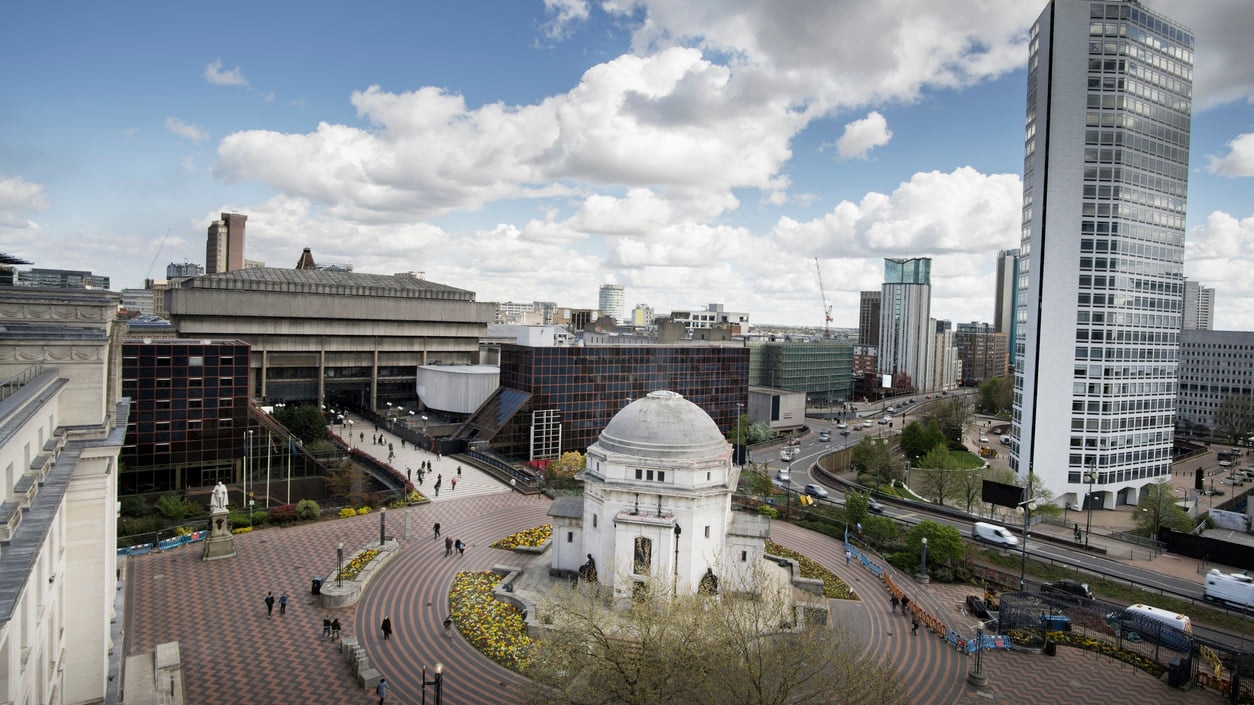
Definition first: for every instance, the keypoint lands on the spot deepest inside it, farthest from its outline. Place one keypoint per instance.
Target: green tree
(306, 421)
(938, 471)
(880, 531)
(1157, 509)
(944, 543)
(996, 395)
(917, 439)
(694, 649)
(760, 432)
(307, 509)
(344, 481)
(855, 508)
(873, 459)
(951, 417)
(970, 487)
(1234, 418)
(175, 507)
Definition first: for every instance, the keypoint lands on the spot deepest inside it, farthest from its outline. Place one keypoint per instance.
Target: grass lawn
(966, 460)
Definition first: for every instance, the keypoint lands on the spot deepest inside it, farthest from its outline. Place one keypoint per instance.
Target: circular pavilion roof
(663, 425)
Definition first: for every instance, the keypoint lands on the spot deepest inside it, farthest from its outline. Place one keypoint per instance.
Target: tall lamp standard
(437, 682)
(675, 582)
(339, 559)
(1028, 507)
(1089, 477)
(424, 423)
(922, 576)
(383, 525)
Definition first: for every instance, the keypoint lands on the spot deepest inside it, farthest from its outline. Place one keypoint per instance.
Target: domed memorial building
(656, 510)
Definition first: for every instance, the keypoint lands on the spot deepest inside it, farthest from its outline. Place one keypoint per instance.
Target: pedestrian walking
(437, 455)
(848, 557)
(283, 603)
(448, 626)
(437, 530)
(361, 437)
(452, 484)
(437, 487)
(335, 629)
(905, 604)
(448, 545)
(402, 444)
(409, 473)
(894, 602)
(326, 628)
(382, 690)
(390, 447)
(460, 546)
(459, 471)
(386, 627)
(914, 626)
(269, 604)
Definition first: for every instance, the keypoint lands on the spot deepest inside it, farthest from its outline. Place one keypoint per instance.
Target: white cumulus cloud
(1239, 161)
(861, 136)
(186, 130)
(19, 198)
(231, 77)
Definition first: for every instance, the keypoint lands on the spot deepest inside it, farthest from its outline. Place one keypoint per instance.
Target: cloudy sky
(693, 152)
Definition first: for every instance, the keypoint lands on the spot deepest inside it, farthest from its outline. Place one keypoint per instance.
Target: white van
(1231, 588)
(994, 534)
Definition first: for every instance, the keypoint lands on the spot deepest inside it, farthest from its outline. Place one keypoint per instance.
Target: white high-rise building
(905, 326)
(1199, 306)
(611, 302)
(1106, 159)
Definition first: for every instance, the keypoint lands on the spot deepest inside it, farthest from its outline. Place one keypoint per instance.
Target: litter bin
(316, 587)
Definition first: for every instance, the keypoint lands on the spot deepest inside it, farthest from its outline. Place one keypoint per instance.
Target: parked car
(817, 491)
(873, 506)
(1068, 588)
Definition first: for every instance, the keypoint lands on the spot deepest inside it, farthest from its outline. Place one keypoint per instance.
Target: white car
(983, 439)
(783, 476)
(866, 423)
(842, 425)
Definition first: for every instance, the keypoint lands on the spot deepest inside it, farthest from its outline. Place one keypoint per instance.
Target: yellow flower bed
(531, 537)
(833, 586)
(1099, 646)
(355, 566)
(241, 529)
(347, 512)
(491, 626)
(363, 510)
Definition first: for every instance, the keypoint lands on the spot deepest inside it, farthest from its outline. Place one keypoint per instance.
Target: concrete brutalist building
(333, 337)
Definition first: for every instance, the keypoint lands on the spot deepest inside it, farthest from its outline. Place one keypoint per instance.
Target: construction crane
(827, 308)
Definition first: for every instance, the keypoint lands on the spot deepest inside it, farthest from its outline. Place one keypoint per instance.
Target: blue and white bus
(1175, 631)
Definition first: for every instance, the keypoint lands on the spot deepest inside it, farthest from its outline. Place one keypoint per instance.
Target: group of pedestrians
(270, 604)
(904, 602)
(450, 544)
(330, 628)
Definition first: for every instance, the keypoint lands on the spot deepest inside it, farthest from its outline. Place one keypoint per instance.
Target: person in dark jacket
(386, 627)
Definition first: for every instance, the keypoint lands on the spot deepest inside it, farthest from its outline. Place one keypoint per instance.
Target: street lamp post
(350, 433)
(1028, 507)
(383, 525)
(675, 582)
(437, 682)
(424, 423)
(339, 559)
(1089, 477)
(922, 576)
(977, 677)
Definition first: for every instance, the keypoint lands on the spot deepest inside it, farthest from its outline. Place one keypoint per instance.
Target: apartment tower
(1106, 159)
(224, 248)
(905, 319)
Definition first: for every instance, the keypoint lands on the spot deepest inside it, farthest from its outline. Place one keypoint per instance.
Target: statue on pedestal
(217, 502)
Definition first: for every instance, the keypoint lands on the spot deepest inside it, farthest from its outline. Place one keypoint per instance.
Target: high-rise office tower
(1199, 306)
(1005, 295)
(611, 302)
(869, 318)
(905, 310)
(1106, 159)
(224, 249)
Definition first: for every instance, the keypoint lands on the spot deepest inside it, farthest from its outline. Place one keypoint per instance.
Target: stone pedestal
(221, 543)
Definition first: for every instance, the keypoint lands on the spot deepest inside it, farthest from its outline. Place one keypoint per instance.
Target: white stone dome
(663, 425)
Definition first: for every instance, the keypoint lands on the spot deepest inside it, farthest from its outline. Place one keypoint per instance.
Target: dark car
(1068, 588)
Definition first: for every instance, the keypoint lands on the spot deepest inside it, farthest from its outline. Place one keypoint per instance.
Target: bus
(1139, 621)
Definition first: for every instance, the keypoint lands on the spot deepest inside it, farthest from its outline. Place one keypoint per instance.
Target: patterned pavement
(234, 655)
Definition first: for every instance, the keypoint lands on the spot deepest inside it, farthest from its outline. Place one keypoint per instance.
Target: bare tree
(697, 649)
(939, 474)
(1234, 418)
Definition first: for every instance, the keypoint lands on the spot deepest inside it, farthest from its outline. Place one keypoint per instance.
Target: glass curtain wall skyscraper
(1106, 158)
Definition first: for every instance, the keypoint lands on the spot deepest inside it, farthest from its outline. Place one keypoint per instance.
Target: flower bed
(530, 537)
(1098, 646)
(491, 626)
(833, 586)
(359, 562)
